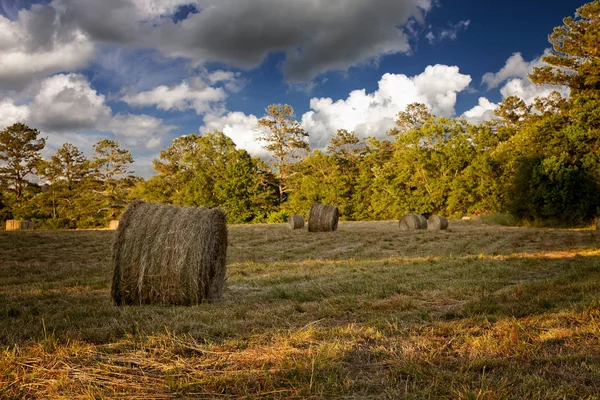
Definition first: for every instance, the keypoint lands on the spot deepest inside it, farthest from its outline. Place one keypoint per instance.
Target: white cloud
(241, 128)
(372, 114)
(10, 113)
(484, 111)
(68, 102)
(516, 71)
(515, 67)
(65, 105)
(191, 94)
(139, 131)
(450, 32)
(38, 43)
(528, 91)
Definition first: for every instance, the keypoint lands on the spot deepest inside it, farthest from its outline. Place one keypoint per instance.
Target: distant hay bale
(169, 255)
(296, 222)
(437, 223)
(413, 221)
(114, 224)
(323, 218)
(14, 225)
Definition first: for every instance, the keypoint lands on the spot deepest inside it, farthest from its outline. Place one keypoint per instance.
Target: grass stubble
(475, 312)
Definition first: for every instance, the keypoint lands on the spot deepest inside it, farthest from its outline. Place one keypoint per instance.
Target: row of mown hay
(14, 225)
(417, 221)
(169, 255)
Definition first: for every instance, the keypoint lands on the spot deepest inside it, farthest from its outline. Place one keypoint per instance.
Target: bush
(278, 217)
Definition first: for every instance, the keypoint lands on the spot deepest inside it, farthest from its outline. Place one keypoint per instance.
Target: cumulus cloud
(10, 113)
(139, 131)
(39, 43)
(515, 73)
(66, 105)
(372, 114)
(515, 67)
(66, 101)
(483, 111)
(368, 114)
(528, 91)
(241, 128)
(316, 36)
(190, 94)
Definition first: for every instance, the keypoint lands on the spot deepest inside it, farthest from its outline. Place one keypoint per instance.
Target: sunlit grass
(475, 312)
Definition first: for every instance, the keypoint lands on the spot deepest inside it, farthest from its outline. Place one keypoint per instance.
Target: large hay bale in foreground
(296, 222)
(437, 223)
(114, 224)
(323, 218)
(14, 225)
(412, 221)
(169, 255)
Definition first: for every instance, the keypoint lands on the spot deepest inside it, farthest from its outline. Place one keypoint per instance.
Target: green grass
(367, 312)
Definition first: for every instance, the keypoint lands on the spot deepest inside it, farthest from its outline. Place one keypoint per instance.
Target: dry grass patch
(367, 312)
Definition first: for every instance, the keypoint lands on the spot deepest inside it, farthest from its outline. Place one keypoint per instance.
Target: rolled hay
(114, 224)
(164, 254)
(413, 221)
(437, 223)
(323, 218)
(296, 222)
(14, 225)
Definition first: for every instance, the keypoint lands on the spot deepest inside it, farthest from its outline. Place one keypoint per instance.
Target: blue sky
(146, 71)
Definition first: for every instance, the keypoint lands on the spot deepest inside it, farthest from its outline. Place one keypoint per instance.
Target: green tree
(574, 60)
(285, 140)
(106, 192)
(64, 174)
(210, 171)
(20, 149)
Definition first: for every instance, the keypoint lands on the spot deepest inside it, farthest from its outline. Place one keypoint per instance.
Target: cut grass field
(476, 312)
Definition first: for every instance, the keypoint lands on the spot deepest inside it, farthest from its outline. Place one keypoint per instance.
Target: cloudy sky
(147, 71)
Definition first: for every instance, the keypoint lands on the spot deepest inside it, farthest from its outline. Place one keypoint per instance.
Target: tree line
(539, 162)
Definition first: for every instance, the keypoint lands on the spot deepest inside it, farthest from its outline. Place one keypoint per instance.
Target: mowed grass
(476, 312)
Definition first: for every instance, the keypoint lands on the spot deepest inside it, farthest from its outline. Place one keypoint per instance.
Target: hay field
(475, 312)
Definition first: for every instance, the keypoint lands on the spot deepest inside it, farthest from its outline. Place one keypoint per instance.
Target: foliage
(285, 139)
(19, 155)
(210, 171)
(574, 60)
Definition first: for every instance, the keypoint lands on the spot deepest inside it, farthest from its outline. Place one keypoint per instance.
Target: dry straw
(413, 221)
(323, 218)
(169, 255)
(14, 225)
(296, 222)
(114, 224)
(437, 223)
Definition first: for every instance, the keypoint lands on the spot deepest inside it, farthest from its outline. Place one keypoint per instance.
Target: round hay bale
(323, 218)
(14, 225)
(412, 221)
(437, 223)
(296, 222)
(164, 254)
(114, 224)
